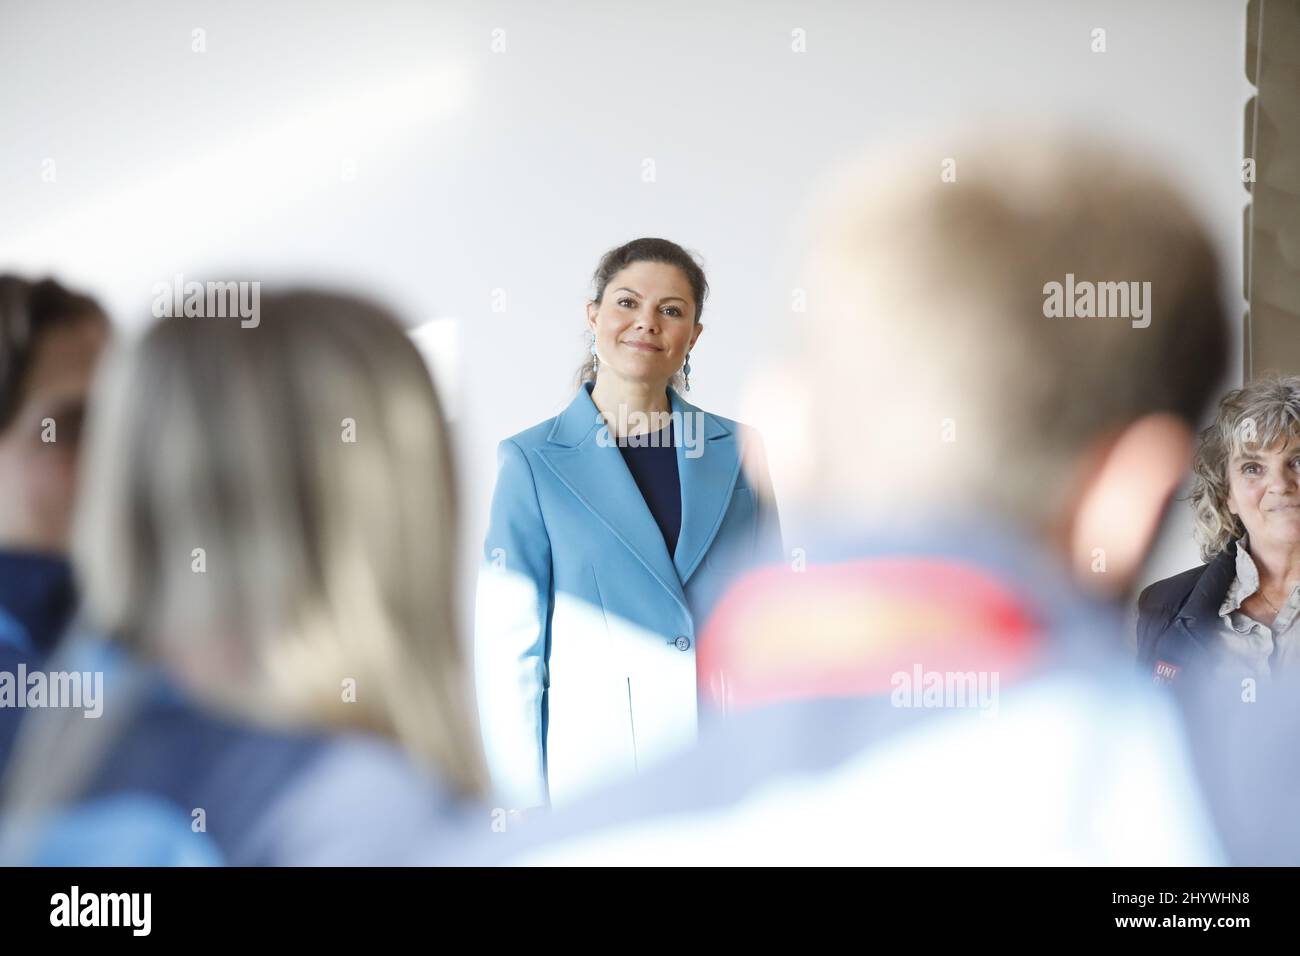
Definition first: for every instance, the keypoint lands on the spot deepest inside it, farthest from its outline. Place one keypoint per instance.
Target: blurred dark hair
(646, 250)
(29, 310)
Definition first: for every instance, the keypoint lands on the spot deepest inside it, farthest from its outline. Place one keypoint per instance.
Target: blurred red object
(849, 629)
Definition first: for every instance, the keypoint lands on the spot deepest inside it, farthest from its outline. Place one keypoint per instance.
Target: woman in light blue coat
(615, 527)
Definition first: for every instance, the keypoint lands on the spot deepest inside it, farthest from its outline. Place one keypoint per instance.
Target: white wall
(387, 145)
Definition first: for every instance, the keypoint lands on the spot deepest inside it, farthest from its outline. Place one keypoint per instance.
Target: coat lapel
(594, 471)
(1197, 624)
(708, 465)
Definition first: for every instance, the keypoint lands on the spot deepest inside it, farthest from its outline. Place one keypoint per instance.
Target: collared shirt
(1251, 648)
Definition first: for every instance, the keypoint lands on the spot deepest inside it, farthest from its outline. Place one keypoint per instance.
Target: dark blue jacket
(1178, 619)
(37, 600)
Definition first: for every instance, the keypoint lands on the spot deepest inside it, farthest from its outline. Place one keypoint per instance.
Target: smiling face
(1264, 491)
(644, 323)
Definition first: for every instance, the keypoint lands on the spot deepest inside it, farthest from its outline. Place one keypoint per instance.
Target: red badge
(1165, 672)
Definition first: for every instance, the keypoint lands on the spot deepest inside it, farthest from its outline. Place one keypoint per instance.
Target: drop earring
(595, 359)
(686, 372)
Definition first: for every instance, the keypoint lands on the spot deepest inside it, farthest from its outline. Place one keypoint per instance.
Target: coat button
(683, 643)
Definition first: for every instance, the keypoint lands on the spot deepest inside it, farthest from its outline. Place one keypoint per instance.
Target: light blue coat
(585, 626)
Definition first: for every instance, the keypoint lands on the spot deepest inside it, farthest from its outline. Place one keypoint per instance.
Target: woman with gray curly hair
(1239, 613)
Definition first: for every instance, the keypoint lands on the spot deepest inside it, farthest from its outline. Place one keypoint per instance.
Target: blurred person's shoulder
(746, 753)
(270, 795)
(839, 736)
(1071, 770)
(361, 801)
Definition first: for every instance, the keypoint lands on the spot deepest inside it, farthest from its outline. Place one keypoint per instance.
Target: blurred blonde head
(1263, 414)
(269, 512)
(928, 374)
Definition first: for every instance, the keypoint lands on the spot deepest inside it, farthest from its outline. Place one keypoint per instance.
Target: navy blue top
(37, 598)
(653, 464)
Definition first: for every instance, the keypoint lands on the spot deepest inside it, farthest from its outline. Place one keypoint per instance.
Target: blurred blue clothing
(37, 600)
(1079, 762)
(247, 795)
(123, 831)
(1243, 736)
(10, 717)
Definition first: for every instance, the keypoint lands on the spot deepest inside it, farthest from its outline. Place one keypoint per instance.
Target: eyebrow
(1287, 449)
(636, 293)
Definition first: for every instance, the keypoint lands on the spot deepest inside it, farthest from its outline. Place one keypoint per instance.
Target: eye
(1250, 468)
(626, 302)
(673, 310)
